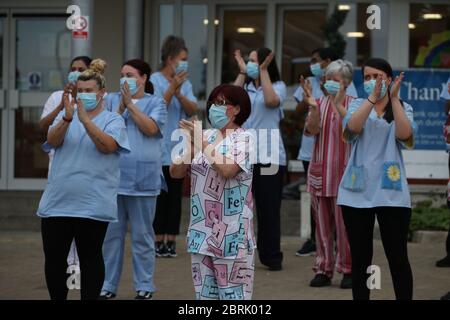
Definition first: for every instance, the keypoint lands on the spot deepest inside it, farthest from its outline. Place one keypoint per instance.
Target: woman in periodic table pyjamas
(220, 236)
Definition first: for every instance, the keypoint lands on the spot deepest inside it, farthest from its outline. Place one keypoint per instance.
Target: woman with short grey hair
(327, 165)
(342, 67)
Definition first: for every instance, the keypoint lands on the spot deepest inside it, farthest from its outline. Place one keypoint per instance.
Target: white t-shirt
(51, 104)
(445, 94)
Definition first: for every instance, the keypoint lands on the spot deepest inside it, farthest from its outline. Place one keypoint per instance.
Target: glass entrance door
(3, 94)
(39, 57)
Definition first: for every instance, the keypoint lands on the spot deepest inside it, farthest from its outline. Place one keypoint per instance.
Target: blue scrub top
(175, 112)
(444, 93)
(262, 117)
(140, 170)
(83, 182)
(375, 175)
(307, 142)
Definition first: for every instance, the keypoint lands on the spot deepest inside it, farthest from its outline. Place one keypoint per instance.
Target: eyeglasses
(219, 103)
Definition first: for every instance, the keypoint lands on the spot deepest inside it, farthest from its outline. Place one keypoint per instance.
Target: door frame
(17, 98)
(4, 18)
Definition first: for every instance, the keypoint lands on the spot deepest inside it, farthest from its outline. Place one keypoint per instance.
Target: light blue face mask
(73, 76)
(332, 87)
(89, 100)
(132, 84)
(369, 86)
(218, 116)
(253, 70)
(182, 66)
(316, 70)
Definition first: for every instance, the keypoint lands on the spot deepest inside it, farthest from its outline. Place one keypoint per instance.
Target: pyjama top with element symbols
(221, 222)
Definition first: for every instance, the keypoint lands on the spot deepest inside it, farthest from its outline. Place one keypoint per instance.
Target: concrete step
(18, 212)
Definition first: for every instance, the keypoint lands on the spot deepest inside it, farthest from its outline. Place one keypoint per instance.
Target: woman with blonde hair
(80, 197)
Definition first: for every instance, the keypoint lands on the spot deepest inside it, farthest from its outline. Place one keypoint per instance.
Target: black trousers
(394, 227)
(313, 221)
(57, 236)
(168, 206)
(447, 244)
(267, 192)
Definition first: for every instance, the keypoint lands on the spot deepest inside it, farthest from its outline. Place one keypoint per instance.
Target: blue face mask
(316, 70)
(89, 100)
(253, 70)
(73, 76)
(132, 84)
(218, 116)
(182, 66)
(369, 86)
(332, 87)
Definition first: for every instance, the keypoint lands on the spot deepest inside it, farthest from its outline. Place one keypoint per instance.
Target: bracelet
(370, 101)
(67, 120)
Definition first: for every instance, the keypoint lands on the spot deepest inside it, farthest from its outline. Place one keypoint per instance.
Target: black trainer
(161, 249)
(444, 263)
(106, 295)
(320, 280)
(446, 297)
(346, 282)
(308, 249)
(144, 295)
(171, 252)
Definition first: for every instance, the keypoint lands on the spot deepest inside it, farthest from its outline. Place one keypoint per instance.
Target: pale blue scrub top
(140, 170)
(307, 142)
(175, 112)
(83, 182)
(262, 117)
(375, 175)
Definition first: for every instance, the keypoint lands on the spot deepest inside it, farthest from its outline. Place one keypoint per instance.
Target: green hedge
(424, 217)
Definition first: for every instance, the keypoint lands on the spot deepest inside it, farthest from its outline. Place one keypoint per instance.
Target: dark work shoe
(106, 295)
(320, 280)
(308, 249)
(444, 263)
(275, 267)
(446, 297)
(160, 249)
(171, 252)
(346, 282)
(144, 295)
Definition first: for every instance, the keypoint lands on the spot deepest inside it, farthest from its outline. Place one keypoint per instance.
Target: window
(165, 24)
(244, 30)
(429, 36)
(194, 32)
(46, 67)
(301, 35)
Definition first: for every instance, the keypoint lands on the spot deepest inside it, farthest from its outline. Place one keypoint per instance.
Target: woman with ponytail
(140, 181)
(374, 183)
(171, 83)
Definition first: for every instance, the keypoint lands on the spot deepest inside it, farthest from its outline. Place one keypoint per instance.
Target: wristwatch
(67, 120)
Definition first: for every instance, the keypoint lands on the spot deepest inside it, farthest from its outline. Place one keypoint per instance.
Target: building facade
(36, 47)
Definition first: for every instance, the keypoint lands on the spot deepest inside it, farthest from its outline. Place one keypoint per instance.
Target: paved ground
(21, 273)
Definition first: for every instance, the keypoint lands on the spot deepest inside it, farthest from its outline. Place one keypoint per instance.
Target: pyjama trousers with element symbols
(223, 279)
